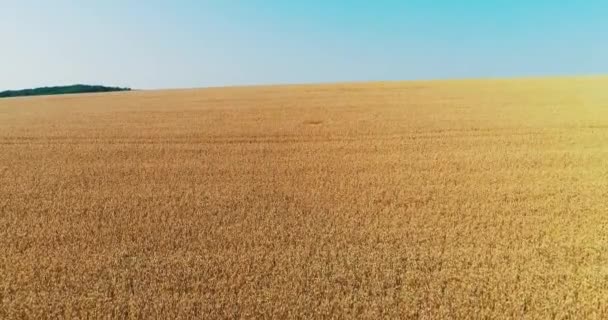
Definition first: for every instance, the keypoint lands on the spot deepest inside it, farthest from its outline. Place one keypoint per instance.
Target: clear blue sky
(170, 44)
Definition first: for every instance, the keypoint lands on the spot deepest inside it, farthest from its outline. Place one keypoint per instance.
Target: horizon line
(329, 83)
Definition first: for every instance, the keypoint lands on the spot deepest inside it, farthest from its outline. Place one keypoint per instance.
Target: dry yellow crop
(441, 199)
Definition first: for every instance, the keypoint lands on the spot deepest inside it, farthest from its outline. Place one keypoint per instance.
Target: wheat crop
(430, 200)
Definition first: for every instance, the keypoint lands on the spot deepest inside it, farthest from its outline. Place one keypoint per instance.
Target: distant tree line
(78, 88)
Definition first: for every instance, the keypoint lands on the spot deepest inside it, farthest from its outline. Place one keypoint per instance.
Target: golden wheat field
(430, 200)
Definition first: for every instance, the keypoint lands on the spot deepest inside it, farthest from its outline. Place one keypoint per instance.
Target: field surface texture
(441, 199)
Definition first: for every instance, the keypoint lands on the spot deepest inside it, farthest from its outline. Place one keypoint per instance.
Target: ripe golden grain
(455, 199)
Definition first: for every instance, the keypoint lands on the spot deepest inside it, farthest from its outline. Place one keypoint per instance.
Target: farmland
(430, 199)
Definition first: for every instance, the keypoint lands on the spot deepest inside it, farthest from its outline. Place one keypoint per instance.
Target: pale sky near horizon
(173, 44)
